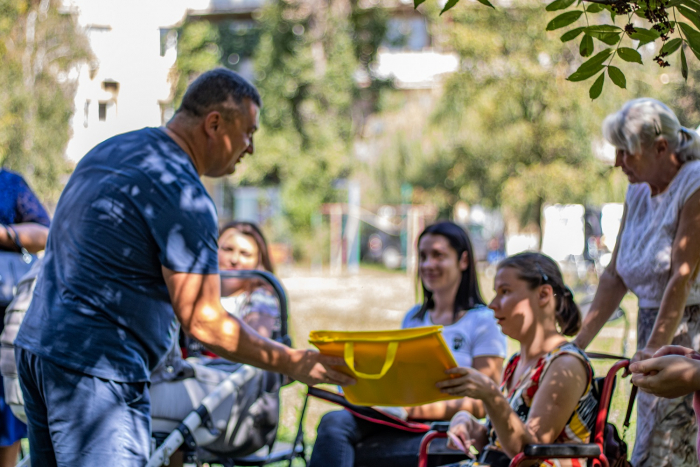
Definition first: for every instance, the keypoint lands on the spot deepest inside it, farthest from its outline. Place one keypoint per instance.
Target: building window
(102, 111)
(86, 112)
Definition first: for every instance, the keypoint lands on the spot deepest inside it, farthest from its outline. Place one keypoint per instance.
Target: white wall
(125, 38)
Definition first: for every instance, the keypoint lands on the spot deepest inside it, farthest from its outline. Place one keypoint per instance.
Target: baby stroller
(217, 415)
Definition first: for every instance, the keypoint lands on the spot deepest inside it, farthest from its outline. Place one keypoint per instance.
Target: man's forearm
(234, 340)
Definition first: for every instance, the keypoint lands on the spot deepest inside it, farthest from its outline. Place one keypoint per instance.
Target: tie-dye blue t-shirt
(134, 204)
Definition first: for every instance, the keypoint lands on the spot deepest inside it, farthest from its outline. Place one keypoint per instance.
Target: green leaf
(691, 15)
(644, 36)
(563, 20)
(617, 76)
(694, 4)
(597, 87)
(486, 3)
(596, 60)
(570, 35)
(595, 8)
(603, 28)
(673, 3)
(684, 65)
(417, 3)
(609, 38)
(559, 5)
(671, 46)
(579, 75)
(586, 47)
(692, 36)
(448, 5)
(629, 55)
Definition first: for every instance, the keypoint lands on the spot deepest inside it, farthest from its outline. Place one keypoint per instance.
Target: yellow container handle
(391, 350)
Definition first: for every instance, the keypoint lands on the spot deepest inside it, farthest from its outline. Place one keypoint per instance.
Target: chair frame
(595, 451)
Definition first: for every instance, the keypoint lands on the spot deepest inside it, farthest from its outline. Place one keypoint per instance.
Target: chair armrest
(561, 451)
(440, 427)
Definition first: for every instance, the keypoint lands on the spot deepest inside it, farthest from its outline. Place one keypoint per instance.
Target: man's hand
(669, 376)
(312, 368)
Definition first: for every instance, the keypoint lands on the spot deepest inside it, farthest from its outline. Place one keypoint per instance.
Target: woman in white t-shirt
(656, 257)
(451, 298)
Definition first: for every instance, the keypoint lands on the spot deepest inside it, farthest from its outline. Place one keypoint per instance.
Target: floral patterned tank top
(521, 393)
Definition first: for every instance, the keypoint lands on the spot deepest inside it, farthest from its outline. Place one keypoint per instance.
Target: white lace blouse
(644, 255)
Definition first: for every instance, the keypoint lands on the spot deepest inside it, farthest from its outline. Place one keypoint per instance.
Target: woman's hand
(468, 383)
(462, 431)
(669, 376)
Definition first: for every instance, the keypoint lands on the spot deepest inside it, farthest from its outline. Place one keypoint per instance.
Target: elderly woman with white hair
(656, 257)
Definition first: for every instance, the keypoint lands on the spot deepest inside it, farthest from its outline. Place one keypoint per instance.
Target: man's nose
(250, 149)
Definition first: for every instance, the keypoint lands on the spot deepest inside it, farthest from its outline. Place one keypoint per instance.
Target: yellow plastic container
(392, 368)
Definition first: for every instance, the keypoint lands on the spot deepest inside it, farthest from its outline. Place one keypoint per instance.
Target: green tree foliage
(197, 52)
(40, 54)
(510, 131)
(304, 64)
(623, 26)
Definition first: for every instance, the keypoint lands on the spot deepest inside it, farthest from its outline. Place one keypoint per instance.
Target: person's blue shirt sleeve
(185, 230)
(488, 340)
(28, 208)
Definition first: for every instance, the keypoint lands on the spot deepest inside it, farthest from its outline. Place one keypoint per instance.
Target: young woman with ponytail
(545, 396)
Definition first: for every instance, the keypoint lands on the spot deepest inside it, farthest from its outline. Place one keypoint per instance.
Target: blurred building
(125, 87)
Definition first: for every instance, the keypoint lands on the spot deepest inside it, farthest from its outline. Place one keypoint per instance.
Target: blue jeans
(79, 420)
(344, 440)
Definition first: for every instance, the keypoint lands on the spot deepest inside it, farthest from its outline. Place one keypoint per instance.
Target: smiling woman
(656, 257)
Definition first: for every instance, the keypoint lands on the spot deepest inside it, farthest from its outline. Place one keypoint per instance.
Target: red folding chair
(595, 450)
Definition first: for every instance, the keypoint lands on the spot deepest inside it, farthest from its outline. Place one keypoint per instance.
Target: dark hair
(468, 294)
(252, 230)
(213, 89)
(537, 269)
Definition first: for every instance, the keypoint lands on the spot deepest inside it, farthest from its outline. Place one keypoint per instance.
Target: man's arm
(196, 300)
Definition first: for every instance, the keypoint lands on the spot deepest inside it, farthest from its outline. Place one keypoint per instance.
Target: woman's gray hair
(642, 121)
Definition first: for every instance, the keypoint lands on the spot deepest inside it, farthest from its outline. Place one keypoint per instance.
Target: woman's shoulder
(571, 351)
(410, 320)
(568, 348)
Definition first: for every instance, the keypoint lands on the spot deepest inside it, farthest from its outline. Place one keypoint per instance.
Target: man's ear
(212, 122)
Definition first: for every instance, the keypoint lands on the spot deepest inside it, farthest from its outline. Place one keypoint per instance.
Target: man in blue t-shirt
(132, 247)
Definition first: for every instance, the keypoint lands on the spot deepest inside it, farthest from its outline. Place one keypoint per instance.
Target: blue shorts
(80, 420)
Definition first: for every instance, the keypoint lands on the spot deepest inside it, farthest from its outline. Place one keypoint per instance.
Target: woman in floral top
(546, 394)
